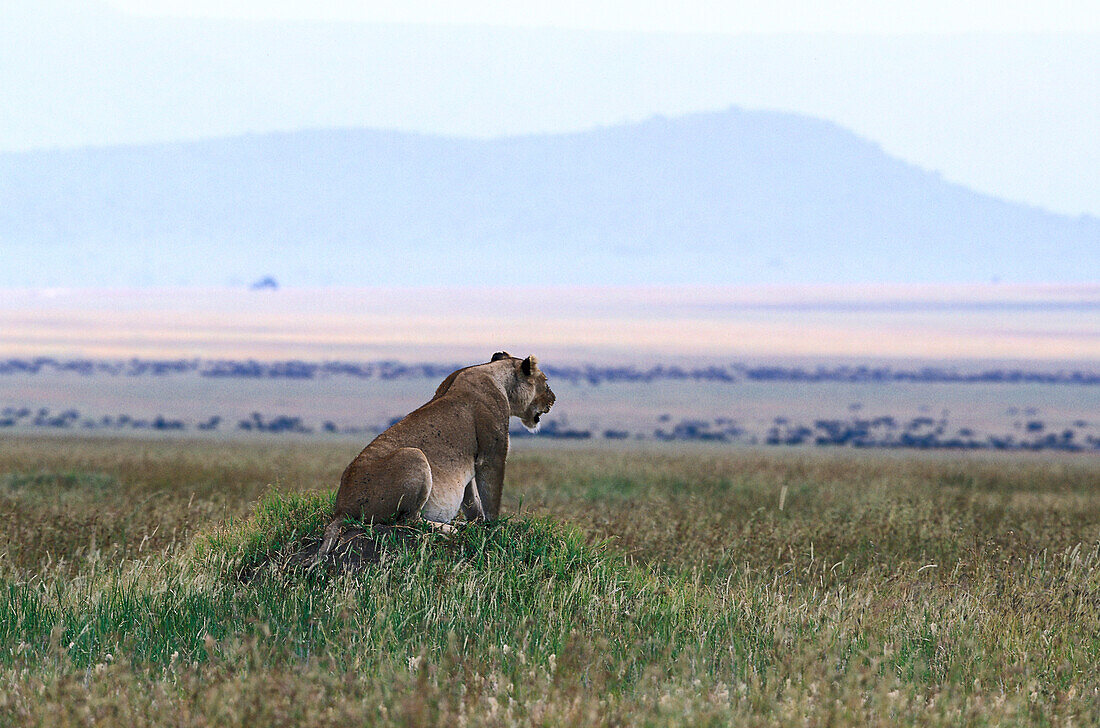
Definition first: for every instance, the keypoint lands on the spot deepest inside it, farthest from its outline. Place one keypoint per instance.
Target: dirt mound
(356, 548)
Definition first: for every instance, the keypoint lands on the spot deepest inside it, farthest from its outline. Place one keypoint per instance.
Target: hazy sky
(1003, 97)
(706, 16)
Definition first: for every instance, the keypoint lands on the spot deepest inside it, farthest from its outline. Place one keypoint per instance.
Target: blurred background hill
(732, 197)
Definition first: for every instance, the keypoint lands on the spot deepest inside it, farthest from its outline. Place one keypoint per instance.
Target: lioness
(447, 456)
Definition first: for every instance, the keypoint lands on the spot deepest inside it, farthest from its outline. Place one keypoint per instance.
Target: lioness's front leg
(471, 503)
(489, 478)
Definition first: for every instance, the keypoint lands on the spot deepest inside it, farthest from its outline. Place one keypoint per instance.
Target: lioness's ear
(530, 364)
(500, 355)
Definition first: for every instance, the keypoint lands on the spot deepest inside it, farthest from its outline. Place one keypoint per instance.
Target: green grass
(279, 521)
(659, 588)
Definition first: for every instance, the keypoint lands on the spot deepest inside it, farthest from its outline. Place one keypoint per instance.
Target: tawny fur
(448, 456)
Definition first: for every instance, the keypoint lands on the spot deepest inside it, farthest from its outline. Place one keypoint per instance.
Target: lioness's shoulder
(446, 384)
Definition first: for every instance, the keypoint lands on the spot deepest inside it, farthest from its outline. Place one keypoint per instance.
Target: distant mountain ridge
(719, 198)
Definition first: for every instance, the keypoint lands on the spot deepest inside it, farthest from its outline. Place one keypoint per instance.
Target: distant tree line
(583, 374)
(925, 433)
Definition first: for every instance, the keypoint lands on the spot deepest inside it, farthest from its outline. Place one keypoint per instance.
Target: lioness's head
(530, 396)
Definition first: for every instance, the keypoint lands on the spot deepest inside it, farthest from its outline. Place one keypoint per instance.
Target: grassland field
(654, 585)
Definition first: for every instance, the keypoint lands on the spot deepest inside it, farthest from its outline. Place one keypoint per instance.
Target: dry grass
(629, 588)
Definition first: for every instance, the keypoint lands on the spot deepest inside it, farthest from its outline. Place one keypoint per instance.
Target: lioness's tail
(332, 532)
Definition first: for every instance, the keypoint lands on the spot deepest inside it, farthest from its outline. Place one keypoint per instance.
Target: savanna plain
(141, 584)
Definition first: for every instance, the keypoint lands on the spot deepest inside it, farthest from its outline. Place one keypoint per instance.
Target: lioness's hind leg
(415, 485)
(387, 490)
(391, 490)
